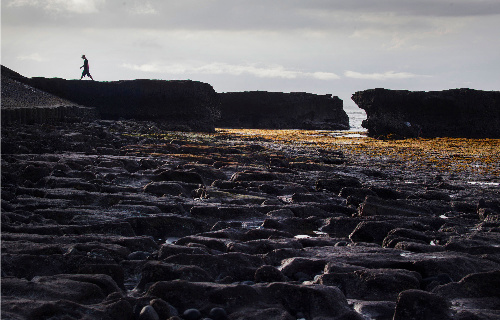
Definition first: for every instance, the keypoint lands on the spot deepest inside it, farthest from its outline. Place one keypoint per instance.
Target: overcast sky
(317, 46)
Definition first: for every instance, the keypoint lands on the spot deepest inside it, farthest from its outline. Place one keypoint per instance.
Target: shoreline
(439, 154)
(122, 217)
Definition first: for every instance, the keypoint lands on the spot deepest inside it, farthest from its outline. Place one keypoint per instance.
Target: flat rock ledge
(23, 104)
(465, 113)
(46, 114)
(278, 110)
(121, 220)
(177, 104)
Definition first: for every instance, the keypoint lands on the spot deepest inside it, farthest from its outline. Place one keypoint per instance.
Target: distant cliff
(450, 113)
(179, 105)
(278, 110)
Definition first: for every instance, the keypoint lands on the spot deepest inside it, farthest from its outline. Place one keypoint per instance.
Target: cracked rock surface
(121, 220)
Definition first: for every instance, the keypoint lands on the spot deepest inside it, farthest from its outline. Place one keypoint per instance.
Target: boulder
(278, 110)
(475, 285)
(238, 266)
(302, 268)
(253, 176)
(371, 231)
(374, 206)
(336, 184)
(269, 273)
(155, 271)
(54, 288)
(373, 284)
(417, 304)
(462, 112)
(165, 188)
(375, 309)
(246, 302)
(166, 225)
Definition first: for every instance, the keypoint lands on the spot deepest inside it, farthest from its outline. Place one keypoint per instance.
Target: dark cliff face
(178, 105)
(277, 110)
(451, 113)
(23, 104)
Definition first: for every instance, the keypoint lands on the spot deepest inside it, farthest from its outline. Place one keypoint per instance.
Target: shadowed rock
(451, 113)
(416, 304)
(278, 110)
(23, 104)
(182, 105)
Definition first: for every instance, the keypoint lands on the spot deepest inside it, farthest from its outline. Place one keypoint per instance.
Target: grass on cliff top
(474, 156)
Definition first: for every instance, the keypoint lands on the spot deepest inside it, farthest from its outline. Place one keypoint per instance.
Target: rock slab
(178, 104)
(278, 110)
(23, 104)
(463, 113)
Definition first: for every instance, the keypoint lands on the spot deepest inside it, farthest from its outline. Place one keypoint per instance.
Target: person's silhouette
(85, 68)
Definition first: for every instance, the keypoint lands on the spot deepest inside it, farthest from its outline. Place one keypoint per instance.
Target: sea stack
(464, 113)
(279, 110)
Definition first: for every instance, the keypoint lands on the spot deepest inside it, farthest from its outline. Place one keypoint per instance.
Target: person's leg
(90, 76)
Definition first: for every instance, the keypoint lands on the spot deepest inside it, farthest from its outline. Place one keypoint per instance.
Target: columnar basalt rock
(464, 113)
(278, 110)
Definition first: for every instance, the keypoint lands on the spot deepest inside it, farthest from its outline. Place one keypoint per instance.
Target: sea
(356, 117)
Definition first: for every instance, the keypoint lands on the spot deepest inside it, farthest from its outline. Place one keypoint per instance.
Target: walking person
(85, 68)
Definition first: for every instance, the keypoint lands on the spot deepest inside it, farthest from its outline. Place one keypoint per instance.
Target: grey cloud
(457, 8)
(260, 71)
(388, 75)
(237, 15)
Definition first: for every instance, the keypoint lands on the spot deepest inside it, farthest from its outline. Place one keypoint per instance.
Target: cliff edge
(463, 113)
(177, 105)
(278, 110)
(23, 104)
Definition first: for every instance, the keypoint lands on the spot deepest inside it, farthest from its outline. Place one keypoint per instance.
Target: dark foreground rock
(278, 110)
(121, 220)
(463, 113)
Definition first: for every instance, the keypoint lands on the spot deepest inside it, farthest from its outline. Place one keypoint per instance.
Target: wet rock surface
(121, 220)
(465, 113)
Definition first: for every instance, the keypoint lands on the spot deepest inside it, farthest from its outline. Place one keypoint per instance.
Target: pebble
(191, 314)
(218, 314)
(148, 313)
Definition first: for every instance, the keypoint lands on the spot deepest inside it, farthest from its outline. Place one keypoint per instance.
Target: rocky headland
(23, 104)
(464, 113)
(278, 110)
(121, 219)
(176, 104)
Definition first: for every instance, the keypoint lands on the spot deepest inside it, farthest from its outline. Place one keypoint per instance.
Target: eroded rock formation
(451, 113)
(180, 105)
(23, 104)
(278, 110)
(109, 220)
